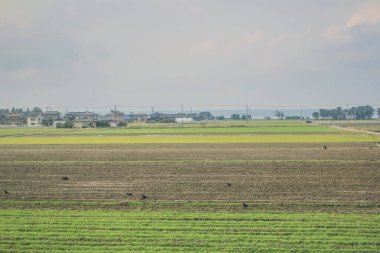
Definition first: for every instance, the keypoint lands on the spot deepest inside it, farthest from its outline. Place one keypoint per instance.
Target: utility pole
(301, 113)
(152, 109)
(182, 113)
(115, 108)
(246, 112)
(348, 119)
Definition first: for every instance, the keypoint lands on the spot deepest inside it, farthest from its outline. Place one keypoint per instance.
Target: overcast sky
(98, 52)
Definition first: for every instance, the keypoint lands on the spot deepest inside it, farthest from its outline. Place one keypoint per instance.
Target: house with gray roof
(54, 115)
(82, 119)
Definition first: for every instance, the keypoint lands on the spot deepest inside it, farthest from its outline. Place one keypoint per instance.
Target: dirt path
(350, 129)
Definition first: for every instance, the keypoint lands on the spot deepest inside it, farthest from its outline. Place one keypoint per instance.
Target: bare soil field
(260, 174)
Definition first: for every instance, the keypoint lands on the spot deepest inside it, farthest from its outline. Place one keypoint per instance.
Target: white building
(184, 120)
(34, 120)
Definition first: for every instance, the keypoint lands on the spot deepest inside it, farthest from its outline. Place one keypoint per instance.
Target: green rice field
(181, 231)
(208, 138)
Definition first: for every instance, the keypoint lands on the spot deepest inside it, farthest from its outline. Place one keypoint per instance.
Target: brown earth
(257, 173)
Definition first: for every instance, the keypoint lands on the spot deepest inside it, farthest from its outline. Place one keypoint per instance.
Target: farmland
(82, 231)
(370, 125)
(162, 190)
(285, 132)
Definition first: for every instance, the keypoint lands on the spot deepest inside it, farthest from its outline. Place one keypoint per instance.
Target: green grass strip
(278, 138)
(181, 231)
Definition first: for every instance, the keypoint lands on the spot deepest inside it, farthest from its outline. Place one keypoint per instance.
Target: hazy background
(99, 53)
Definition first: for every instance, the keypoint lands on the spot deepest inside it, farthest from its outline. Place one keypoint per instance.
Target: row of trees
(236, 116)
(361, 113)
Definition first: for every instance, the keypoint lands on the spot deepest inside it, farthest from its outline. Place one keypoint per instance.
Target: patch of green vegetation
(179, 231)
(276, 138)
(226, 123)
(22, 132)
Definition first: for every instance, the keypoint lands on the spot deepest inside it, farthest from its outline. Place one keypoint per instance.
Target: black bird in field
(129, 194)
(143, 197)
(65, 178)
(325, 147)
(5, 191)
(228, 184)
(245, 205)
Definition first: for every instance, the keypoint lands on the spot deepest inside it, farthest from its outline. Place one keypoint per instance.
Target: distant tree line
(360, 113)
(236, 116)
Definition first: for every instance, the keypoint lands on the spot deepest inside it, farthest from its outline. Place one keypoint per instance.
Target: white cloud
(369, 14)
(337, 33)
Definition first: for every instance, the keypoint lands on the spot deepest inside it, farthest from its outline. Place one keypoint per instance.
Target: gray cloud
(194, 52)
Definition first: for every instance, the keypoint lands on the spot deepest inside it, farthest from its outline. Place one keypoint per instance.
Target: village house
(34, 119)
(17, 117)
(53, 115)
(117, 117)
(52, 118)
(136, 118)
(184, 120)
(82, 119)
(105, 121)
(165, 117)
(114, 119)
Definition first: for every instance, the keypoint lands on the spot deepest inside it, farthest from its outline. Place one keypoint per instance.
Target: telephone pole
(246, 112)
(182, 113)
(348, 119)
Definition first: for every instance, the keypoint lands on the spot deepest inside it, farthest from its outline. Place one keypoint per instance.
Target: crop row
(52, 230)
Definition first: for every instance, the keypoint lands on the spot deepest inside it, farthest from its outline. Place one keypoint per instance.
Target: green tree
(378, 113)
(364, 112)
(279, 114)
(205, 115)
(316, 115)
(103, 124)
(47, 122)
(235, 116)
(36, 110)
